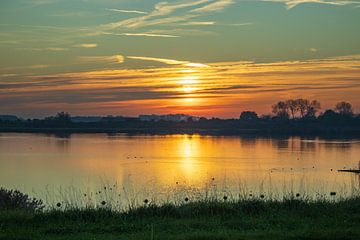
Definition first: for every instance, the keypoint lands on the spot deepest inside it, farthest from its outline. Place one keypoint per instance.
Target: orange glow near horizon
(217, 90)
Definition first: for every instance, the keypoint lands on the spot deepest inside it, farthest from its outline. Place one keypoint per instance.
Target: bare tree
(281, 110)
(344, 108)
(312, 109)
(302, 106)
(292, 107)
(63, 117)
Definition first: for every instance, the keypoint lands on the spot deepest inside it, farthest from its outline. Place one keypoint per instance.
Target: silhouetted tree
(249, 116)
(281, 110)
(344, 108)
(63, 117)
(312, 109)
(302, 106)
(329, 116)
(292, 107)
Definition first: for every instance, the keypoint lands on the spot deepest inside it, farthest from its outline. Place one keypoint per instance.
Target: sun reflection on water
(189, 152)
(165, 161)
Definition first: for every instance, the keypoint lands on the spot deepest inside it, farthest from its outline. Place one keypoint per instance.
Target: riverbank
(270, 132)
(243, 219)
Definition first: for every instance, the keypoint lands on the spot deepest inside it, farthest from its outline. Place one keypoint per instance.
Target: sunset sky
(200, 57)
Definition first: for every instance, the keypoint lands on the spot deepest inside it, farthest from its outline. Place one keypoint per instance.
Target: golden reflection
(189, 151)
(193, 160)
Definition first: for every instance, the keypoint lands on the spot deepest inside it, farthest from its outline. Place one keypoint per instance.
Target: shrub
(16, 200)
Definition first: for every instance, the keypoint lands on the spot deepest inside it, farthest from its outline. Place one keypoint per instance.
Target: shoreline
(194, 131)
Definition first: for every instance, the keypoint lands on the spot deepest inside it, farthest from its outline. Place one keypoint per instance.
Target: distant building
(170, 118)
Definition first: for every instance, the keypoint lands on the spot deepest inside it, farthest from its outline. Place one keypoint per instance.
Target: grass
(216, 219)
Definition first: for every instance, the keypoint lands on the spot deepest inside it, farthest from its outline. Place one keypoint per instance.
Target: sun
(188, 89)
(189, 84)
(189, 80)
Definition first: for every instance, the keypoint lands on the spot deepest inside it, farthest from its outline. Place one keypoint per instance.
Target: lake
(155, 167)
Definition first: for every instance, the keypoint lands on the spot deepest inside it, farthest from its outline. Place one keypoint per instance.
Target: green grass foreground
(244, 219)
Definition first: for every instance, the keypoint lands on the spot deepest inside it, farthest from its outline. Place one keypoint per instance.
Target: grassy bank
(243, 219)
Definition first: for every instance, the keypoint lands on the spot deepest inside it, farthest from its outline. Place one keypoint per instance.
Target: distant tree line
(302, 109)
(294, 116)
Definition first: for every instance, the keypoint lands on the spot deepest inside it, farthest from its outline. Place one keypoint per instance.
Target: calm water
(152, 165)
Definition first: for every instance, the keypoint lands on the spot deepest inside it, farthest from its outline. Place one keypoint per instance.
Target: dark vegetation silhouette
(249, 116)
(16, 200)
(299, 108)
(294, 116)
(225, 218)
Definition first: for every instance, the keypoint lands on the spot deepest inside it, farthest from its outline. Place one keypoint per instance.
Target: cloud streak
(293, 3)
(87, 45)
(147, 35)
(125, 11)
(108, 59)
(168, 61)
(166, 13)
(51, 49)
(214, 6)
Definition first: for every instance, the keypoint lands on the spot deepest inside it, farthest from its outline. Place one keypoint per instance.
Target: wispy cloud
(39, 66)
(163, 34)
(166, 13)
(168, 61)
(214, 6)
(199, 23)
(293, 3)
(56, 49)
(87, 45)
(108, 59)
(147, 35)
(51, 49)
(213, 23)
(161, 60)
(16, 68)
(182, 32)
(241, 24)
(148, 21)
(125, 11)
